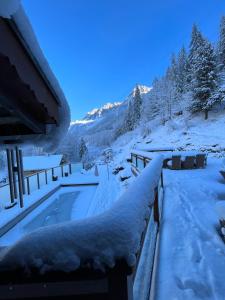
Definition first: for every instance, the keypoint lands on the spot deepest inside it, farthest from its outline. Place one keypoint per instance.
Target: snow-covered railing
(34, 182)
(104, 249)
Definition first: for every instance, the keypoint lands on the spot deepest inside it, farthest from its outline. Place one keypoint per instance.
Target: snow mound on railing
(99, 240)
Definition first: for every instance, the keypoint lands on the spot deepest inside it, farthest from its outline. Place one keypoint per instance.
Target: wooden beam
(19, 112)
(9, 120)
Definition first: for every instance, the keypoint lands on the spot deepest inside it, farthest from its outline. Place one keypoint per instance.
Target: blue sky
(99, 49)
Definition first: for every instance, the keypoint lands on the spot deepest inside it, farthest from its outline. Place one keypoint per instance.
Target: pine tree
(182, 71)
(82, 149)
(196, 41)
(129, 121)
(137, 103)
(221, 45)
(203, 72)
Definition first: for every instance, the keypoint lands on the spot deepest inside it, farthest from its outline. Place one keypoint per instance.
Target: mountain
(99, 126)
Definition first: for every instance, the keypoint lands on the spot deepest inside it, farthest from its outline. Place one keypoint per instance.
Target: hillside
(99, 127)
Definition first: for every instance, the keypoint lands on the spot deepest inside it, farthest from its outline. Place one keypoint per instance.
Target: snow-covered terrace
(108, 241)
(190, 263)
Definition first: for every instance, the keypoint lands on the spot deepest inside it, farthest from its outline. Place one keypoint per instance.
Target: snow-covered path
(107, 192)
(192, 255)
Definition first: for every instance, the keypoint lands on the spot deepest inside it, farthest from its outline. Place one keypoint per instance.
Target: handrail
(34, 185)
(43, 171)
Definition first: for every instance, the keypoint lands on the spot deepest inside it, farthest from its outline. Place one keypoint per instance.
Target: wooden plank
(53, 289)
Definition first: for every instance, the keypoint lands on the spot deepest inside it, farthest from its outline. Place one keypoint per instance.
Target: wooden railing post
(144, 162)
(38, 181)
(20, 177)
(156, 206)
(62, 171)
(162, 183)
(10, 175)
(28, 185)
(46, 177)
(70, 168)
(120, 284)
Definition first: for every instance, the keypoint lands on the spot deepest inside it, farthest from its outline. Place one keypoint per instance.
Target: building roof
(41, 162)
(12, 11)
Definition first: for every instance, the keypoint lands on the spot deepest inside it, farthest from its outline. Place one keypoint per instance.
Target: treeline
(195, 79)
(194, 82)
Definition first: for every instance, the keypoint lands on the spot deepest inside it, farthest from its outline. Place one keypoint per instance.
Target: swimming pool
(68, 203)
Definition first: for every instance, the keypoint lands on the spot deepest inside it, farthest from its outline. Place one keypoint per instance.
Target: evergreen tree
(129, 121)
(137, 103)
(203, 72)
(82, 149)
(196, 42)
(221, 45)
(182, 71)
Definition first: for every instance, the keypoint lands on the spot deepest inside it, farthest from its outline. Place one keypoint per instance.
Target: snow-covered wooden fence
(96, 258)
(36, 181)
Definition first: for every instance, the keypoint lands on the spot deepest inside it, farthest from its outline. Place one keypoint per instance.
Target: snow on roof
(99, 240)
(41, 162)
(14, 10)
(147, 147)
(8, 7)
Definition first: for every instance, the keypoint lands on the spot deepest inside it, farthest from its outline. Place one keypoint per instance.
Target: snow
(82, 122)
(68, 203)
(192, 254)
(220, 209)
(36, 194)
(101, 239)
(152, 148)
(8, 7)
(41, 162)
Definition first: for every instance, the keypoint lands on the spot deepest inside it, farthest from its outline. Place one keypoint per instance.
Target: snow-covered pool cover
(112, 235)
(13, 9)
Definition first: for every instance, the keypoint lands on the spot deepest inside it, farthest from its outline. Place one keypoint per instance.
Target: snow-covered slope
(99, 127)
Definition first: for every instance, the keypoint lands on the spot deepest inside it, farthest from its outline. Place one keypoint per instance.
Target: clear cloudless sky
(99, 49)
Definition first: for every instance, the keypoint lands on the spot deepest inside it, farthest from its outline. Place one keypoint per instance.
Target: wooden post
(22, 172)
(144, 162)
(162, 183)
(136, 161)
(10, 174)
(46, 177)
(38, 181)
(120, 284)
(52, 173)
(19, 177)
(70, 168)
(62, 171)
(28, 186)
(14, 174)
(156, 206)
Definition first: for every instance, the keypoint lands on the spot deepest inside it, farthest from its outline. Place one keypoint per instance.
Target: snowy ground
(192, 254)
(88, 202)
(5, 190)
(70, 203)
